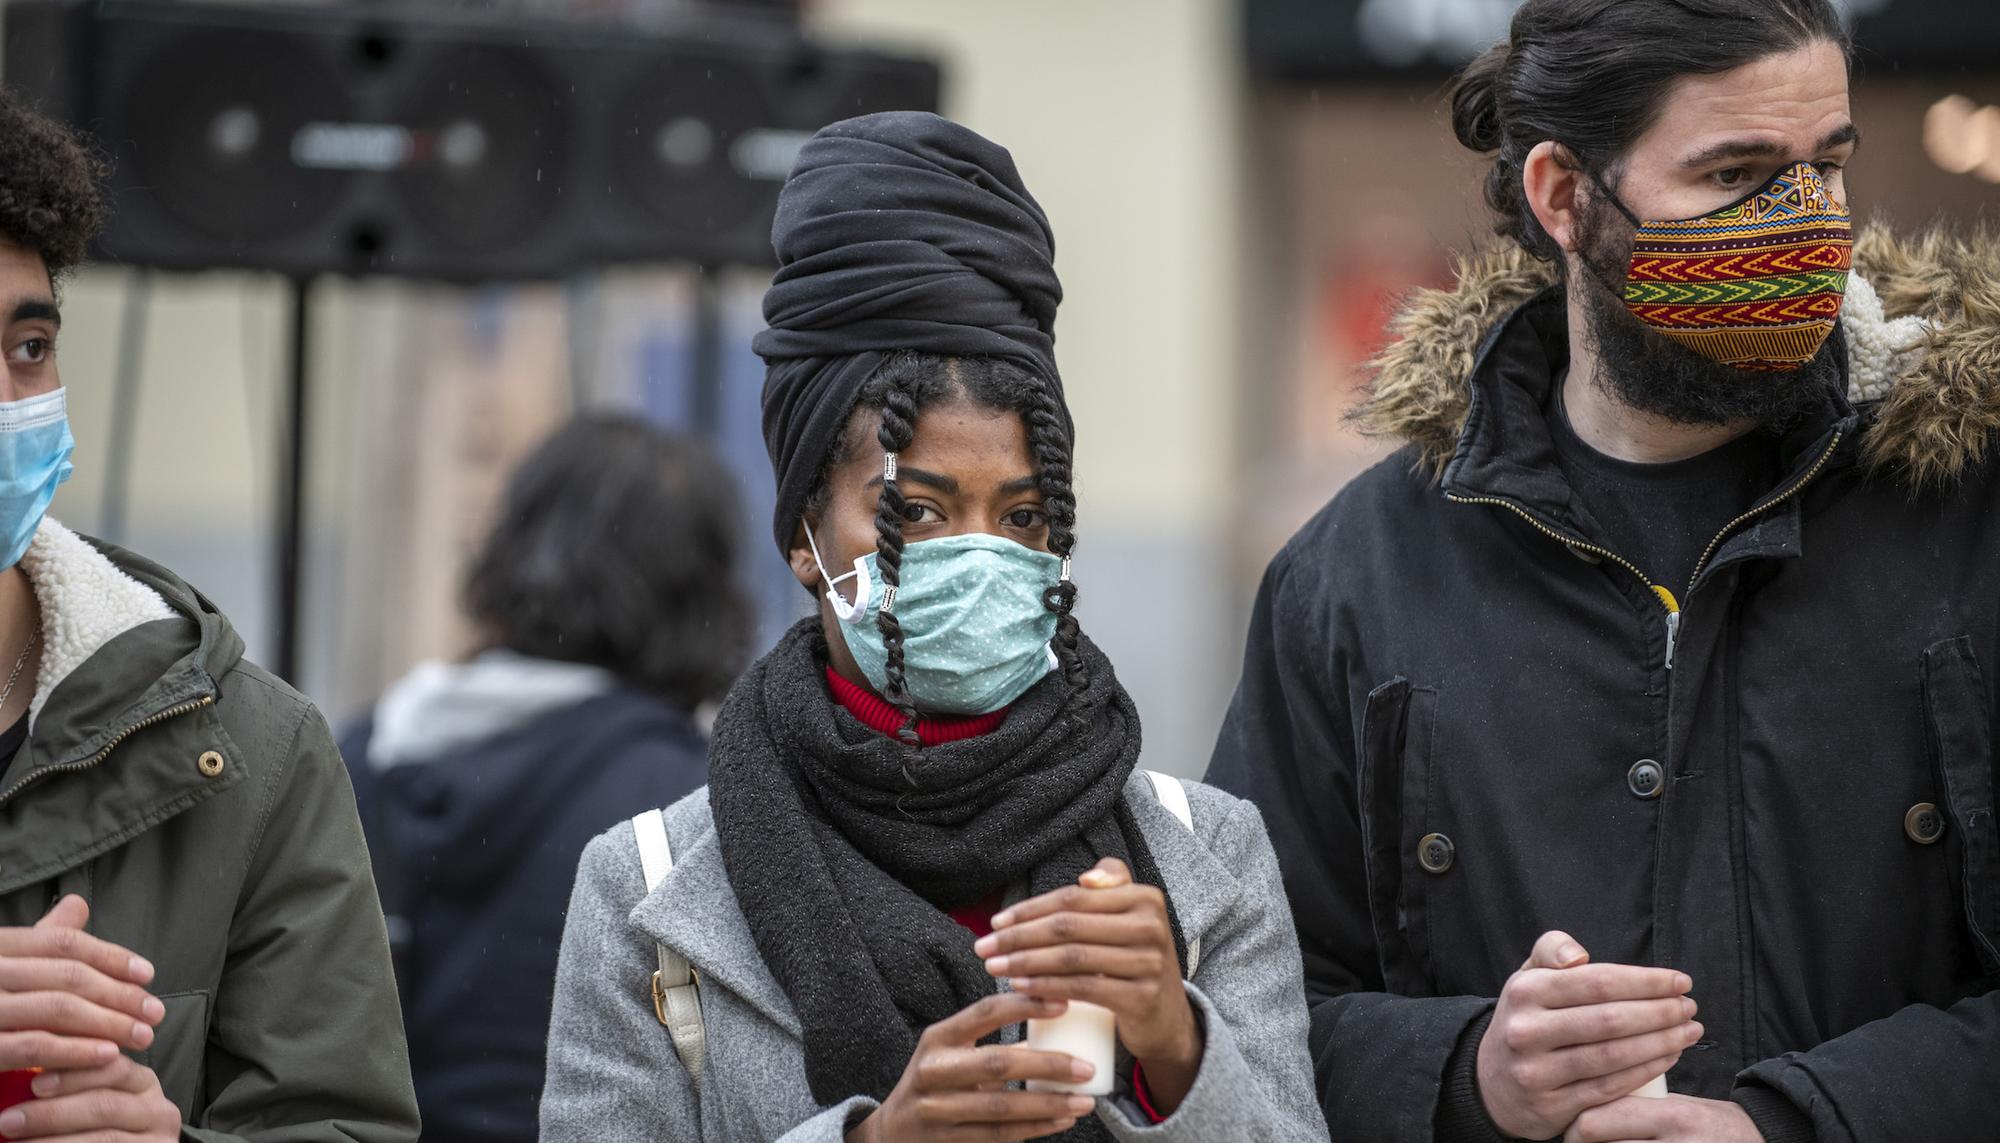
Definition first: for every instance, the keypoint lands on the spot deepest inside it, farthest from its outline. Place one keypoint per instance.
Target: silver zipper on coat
(72, 767)
(1673, 607)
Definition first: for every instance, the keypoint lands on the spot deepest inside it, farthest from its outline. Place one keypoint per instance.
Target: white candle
(1086, 1031)
(1656, 1088)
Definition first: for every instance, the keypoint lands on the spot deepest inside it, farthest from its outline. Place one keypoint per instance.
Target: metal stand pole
(123, 438)
(705, 388)
(291, 529)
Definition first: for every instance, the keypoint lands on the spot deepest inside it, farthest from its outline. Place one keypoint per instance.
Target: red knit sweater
(875, 713)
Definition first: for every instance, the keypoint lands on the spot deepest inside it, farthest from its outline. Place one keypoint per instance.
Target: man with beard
(1637, 718)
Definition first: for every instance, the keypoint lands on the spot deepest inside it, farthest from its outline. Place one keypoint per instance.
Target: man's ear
(800, 557)
(1552, 181)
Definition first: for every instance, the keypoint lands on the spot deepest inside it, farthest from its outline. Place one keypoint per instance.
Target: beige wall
(1122, 116)
(205, 455)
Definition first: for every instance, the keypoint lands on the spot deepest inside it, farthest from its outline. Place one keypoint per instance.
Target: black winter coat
(480, 848)
(1459, 718)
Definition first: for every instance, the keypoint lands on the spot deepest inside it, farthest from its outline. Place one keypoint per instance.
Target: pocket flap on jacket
(1392, 768)
(1957, 706)
(180, 1049)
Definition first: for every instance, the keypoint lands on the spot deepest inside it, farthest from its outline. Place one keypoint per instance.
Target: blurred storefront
(1366, 194)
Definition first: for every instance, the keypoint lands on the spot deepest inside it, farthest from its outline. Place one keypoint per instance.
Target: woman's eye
(1025, 518)
(914, 513)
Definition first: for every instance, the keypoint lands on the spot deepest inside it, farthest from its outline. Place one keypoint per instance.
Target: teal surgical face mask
(34, 458)
(975, 630)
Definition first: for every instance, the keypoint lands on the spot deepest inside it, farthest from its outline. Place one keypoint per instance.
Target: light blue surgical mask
(976, 632)
(34, 457)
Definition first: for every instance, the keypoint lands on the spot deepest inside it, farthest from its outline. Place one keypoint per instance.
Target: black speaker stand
(291, 507)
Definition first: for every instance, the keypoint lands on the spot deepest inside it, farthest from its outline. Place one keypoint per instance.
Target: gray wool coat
(613, 1072)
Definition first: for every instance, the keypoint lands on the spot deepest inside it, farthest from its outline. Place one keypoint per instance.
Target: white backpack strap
(676, 990)
(1173, 795)
(656, 854)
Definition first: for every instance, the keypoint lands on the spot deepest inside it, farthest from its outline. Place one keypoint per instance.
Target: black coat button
(1646, 778)
(1436, 853)
(1924, 824)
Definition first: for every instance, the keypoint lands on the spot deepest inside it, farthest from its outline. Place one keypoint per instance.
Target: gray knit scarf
(845, 870)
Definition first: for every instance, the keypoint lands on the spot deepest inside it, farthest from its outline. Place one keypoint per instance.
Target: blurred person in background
(924, 823)
(1638, 717)
(182, 874)
(608, 608)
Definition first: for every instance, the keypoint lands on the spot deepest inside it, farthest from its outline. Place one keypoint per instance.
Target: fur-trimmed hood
(1922, 322)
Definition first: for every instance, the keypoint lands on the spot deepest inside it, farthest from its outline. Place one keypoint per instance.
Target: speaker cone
(676, 134)
(488, 153)
(210, 122)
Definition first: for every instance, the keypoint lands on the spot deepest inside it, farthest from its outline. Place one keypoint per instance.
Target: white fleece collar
(86, 602)
(1880, 349)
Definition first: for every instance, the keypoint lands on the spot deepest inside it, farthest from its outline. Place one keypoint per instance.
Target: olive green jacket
(198, 803)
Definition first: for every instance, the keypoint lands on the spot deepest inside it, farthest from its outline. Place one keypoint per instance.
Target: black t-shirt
(1662, 517)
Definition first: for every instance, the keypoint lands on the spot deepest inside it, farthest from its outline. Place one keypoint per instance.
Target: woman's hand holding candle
(1107, 941)
(955, 1090)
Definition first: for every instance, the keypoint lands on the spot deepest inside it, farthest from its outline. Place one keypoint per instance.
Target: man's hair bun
(1475, 101)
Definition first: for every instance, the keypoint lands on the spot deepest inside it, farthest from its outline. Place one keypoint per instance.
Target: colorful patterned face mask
(1757, 284)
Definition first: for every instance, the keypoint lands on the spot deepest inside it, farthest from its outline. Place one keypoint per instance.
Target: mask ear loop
(1617, 202)
(1616, 289)
(1054, 661)
(814, 545)
(840, 605)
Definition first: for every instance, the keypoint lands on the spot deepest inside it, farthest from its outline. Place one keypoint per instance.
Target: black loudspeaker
(307, 139)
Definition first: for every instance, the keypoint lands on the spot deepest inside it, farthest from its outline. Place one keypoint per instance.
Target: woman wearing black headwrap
(924, 823)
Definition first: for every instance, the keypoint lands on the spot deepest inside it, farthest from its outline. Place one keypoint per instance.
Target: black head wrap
(897, 231)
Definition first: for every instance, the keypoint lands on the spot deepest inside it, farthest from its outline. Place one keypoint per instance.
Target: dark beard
(1654, 374)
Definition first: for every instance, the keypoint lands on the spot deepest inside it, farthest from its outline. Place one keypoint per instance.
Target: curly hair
(51, 197)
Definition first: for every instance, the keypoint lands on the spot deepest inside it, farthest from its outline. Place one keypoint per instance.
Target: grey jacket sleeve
(306, 1042)
(1255, 1082)
(613, 1072)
